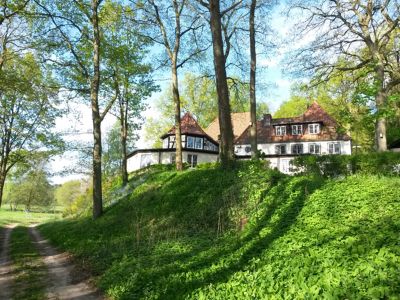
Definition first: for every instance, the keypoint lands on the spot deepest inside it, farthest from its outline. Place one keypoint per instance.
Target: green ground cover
(25, 218)
(29, 269)
(249, 233)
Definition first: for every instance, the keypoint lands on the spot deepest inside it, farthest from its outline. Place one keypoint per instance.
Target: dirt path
(6, 269)
(64, 281)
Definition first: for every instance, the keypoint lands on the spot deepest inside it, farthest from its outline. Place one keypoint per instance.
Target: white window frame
(314, 128)
(332, 148)
(297, 129)
(314, 145)
(280, 146)
(280, 130)
(298, 145)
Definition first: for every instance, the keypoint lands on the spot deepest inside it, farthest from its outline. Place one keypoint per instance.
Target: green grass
(24, 218)
(182, 236)
(29, 269)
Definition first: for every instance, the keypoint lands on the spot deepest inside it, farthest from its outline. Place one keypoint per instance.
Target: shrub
(385, 163)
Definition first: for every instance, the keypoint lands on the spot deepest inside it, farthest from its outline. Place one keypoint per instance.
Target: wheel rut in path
(64, 281)
(6, 267)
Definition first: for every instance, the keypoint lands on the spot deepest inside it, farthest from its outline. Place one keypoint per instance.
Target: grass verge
(30, 271)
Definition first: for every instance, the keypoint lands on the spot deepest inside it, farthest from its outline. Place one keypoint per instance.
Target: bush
(385, 163)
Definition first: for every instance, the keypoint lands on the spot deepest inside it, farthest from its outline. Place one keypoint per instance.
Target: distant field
(25, 218)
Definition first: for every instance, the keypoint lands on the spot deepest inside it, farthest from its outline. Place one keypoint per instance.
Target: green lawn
(25, 218)
(248, 233)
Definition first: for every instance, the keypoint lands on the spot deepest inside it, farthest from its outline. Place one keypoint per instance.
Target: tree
(128, 78)
(365, 34)
(253, 66)
(227, 154)
(67, 193)
(27, 112)
(174, 25)
(198, 97)
(73, 34)
(28, 184)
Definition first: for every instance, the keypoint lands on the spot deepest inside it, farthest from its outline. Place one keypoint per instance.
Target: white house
(197, 147)
(280, 140)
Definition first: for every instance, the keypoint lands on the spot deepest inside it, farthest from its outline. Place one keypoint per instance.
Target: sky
(79, 120)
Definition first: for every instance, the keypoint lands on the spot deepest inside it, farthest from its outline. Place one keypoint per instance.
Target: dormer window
(313, 128)
(280, 130)
(297, 129)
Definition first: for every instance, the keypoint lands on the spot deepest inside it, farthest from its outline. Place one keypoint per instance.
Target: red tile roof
(240, 121)
(189, 126)
(314, 114)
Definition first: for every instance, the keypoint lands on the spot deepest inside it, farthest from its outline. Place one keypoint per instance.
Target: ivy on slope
(250, 233)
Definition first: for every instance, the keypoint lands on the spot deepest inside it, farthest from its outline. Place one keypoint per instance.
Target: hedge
(383, 163)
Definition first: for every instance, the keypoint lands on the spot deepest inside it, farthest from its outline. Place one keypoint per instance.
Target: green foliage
(31, 189)
(247, 233)
(66, 193)
(199, 97)
(30, 270)
(386, 163)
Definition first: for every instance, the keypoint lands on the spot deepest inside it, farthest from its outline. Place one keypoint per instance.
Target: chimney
(267, 118)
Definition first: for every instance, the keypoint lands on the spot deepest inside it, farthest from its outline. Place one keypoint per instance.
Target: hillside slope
(250, 233)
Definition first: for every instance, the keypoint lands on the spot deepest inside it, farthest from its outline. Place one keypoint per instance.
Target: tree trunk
(253, 65)
(224, 110)
(2, 182)
(94, 95)
(177, 104)
(380, 100)
(124, 138)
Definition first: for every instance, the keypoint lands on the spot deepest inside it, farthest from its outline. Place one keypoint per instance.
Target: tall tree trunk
(224, 111)
(177, 104)
(124, 138)
(380, 100)
(253, 65)
(96, 118)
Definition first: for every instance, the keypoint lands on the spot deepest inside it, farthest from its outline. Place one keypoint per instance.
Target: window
(194, 142)
(297, 129)
(165, 143)
(192, 160)
(334, 148)
(190, 142)
(198, 144)
(314, 148)
(313, 128)
(280, 149)
(172, 158)
(172, 141)
(297, 148)
(247, 149)
(280, 130)
(209, 146)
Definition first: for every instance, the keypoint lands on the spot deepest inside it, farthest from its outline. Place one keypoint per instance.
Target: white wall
(134, 162)
(269, 149)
